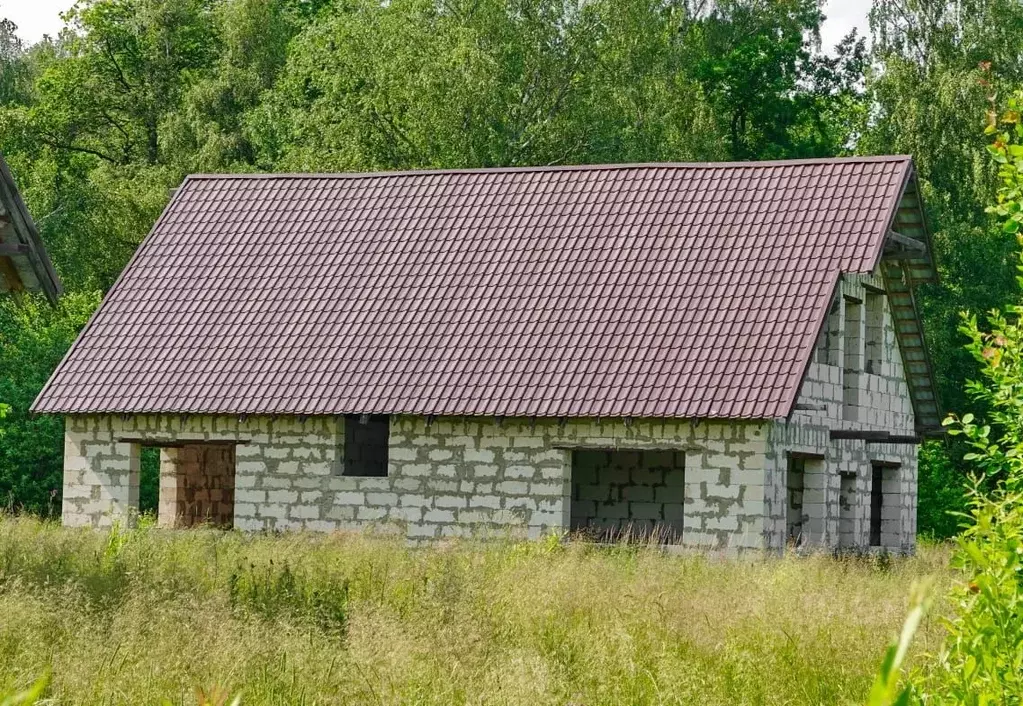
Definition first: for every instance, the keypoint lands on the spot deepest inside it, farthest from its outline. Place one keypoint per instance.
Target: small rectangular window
(827, 343)
(365, 452)
(875, 332)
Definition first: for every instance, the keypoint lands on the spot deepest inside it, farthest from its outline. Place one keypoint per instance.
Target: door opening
(847, 511)
(197, 485)
(794, 484)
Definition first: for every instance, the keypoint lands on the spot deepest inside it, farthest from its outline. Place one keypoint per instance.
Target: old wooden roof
(24, 264)
(660, 290)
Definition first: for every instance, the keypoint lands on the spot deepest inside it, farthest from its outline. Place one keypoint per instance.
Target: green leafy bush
(982, 659)
(942, 498)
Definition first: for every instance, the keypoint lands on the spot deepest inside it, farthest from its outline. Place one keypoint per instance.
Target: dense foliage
(33, 337)
(981, 661)
(99, 123)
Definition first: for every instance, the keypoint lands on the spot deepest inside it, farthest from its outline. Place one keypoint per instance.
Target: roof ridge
(558, 168)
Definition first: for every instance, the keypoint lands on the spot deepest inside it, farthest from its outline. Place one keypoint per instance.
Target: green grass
(139, 617)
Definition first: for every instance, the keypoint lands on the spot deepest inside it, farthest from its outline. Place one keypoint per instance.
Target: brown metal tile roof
(661, 290)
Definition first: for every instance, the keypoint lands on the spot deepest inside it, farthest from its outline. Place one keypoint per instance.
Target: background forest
(100, 123)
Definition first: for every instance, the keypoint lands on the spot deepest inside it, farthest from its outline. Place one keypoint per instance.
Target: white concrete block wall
(446, 477)
(100, 476)
(880, 402)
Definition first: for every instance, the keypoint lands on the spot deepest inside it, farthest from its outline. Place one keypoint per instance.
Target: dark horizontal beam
(807, 455)
(178, 443)
(9, 249)
(859, 434)
(872, 436)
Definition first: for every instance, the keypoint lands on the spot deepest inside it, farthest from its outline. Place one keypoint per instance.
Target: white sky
(38, 17)
(842, 16)
(35, 17)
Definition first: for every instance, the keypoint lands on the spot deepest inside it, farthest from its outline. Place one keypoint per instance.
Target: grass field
(139, 617)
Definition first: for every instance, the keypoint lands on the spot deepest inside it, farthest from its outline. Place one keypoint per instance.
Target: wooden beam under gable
(10, 249)
(29, 268)
(897, 244)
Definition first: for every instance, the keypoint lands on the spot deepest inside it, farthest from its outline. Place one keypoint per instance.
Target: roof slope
(664, 290)
(24, 264)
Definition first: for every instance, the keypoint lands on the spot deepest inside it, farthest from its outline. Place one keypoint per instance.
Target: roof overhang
(24, 264)
(906, 260)
(904, 257)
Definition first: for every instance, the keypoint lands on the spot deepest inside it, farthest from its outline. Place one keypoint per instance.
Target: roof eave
(901, 280)
(34, 257)
(926, 421)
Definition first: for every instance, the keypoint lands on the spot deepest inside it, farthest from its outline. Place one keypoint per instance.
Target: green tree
(779, 98)
(15, 76)
(126, 65)
(33, 339)
(982, 660)
(413, 83)
(209, 130)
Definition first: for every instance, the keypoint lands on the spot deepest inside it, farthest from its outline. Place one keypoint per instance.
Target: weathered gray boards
(24, 263)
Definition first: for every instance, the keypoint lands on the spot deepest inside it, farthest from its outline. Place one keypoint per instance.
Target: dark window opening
(795, 483)
(365, 452)
(876, 502)
(149, 481)
(875, 332)
(626, 495)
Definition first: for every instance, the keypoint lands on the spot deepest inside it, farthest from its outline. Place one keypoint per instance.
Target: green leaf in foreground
(885, 691)
(29, 696)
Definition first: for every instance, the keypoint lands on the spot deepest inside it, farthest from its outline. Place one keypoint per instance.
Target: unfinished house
(723, 356)
(24, 264)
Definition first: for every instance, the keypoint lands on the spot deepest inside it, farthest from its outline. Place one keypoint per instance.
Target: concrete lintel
(626, 446)
(176, 443)
(809, 455)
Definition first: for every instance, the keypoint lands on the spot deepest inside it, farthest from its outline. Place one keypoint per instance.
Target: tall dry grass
(138, 617)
